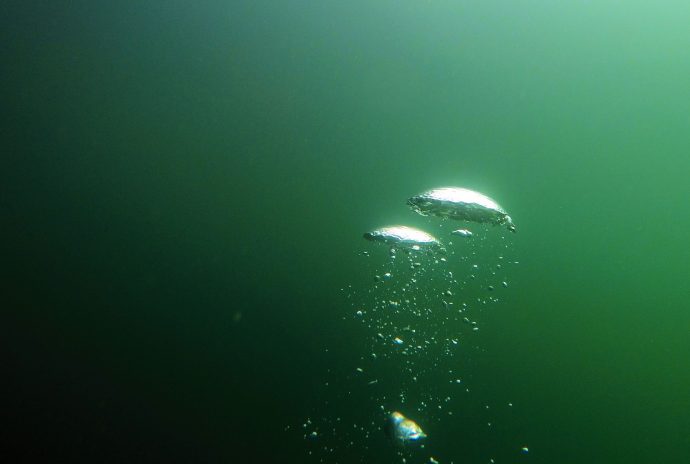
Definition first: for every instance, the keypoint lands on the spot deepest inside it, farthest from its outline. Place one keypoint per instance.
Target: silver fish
(402, 236)
(461, 204)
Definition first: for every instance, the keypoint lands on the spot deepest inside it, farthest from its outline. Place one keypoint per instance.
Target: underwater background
(185, 186)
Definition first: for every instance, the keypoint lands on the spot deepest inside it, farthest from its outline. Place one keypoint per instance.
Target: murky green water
(185, 186)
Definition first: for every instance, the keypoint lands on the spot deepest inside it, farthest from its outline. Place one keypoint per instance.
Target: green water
(185, 186)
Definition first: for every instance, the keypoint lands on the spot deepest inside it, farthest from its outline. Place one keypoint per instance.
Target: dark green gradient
(170, 165)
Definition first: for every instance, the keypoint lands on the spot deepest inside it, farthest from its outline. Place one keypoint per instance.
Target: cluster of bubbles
(421, 314)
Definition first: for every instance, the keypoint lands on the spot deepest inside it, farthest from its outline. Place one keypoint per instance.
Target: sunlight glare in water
(419, 316)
